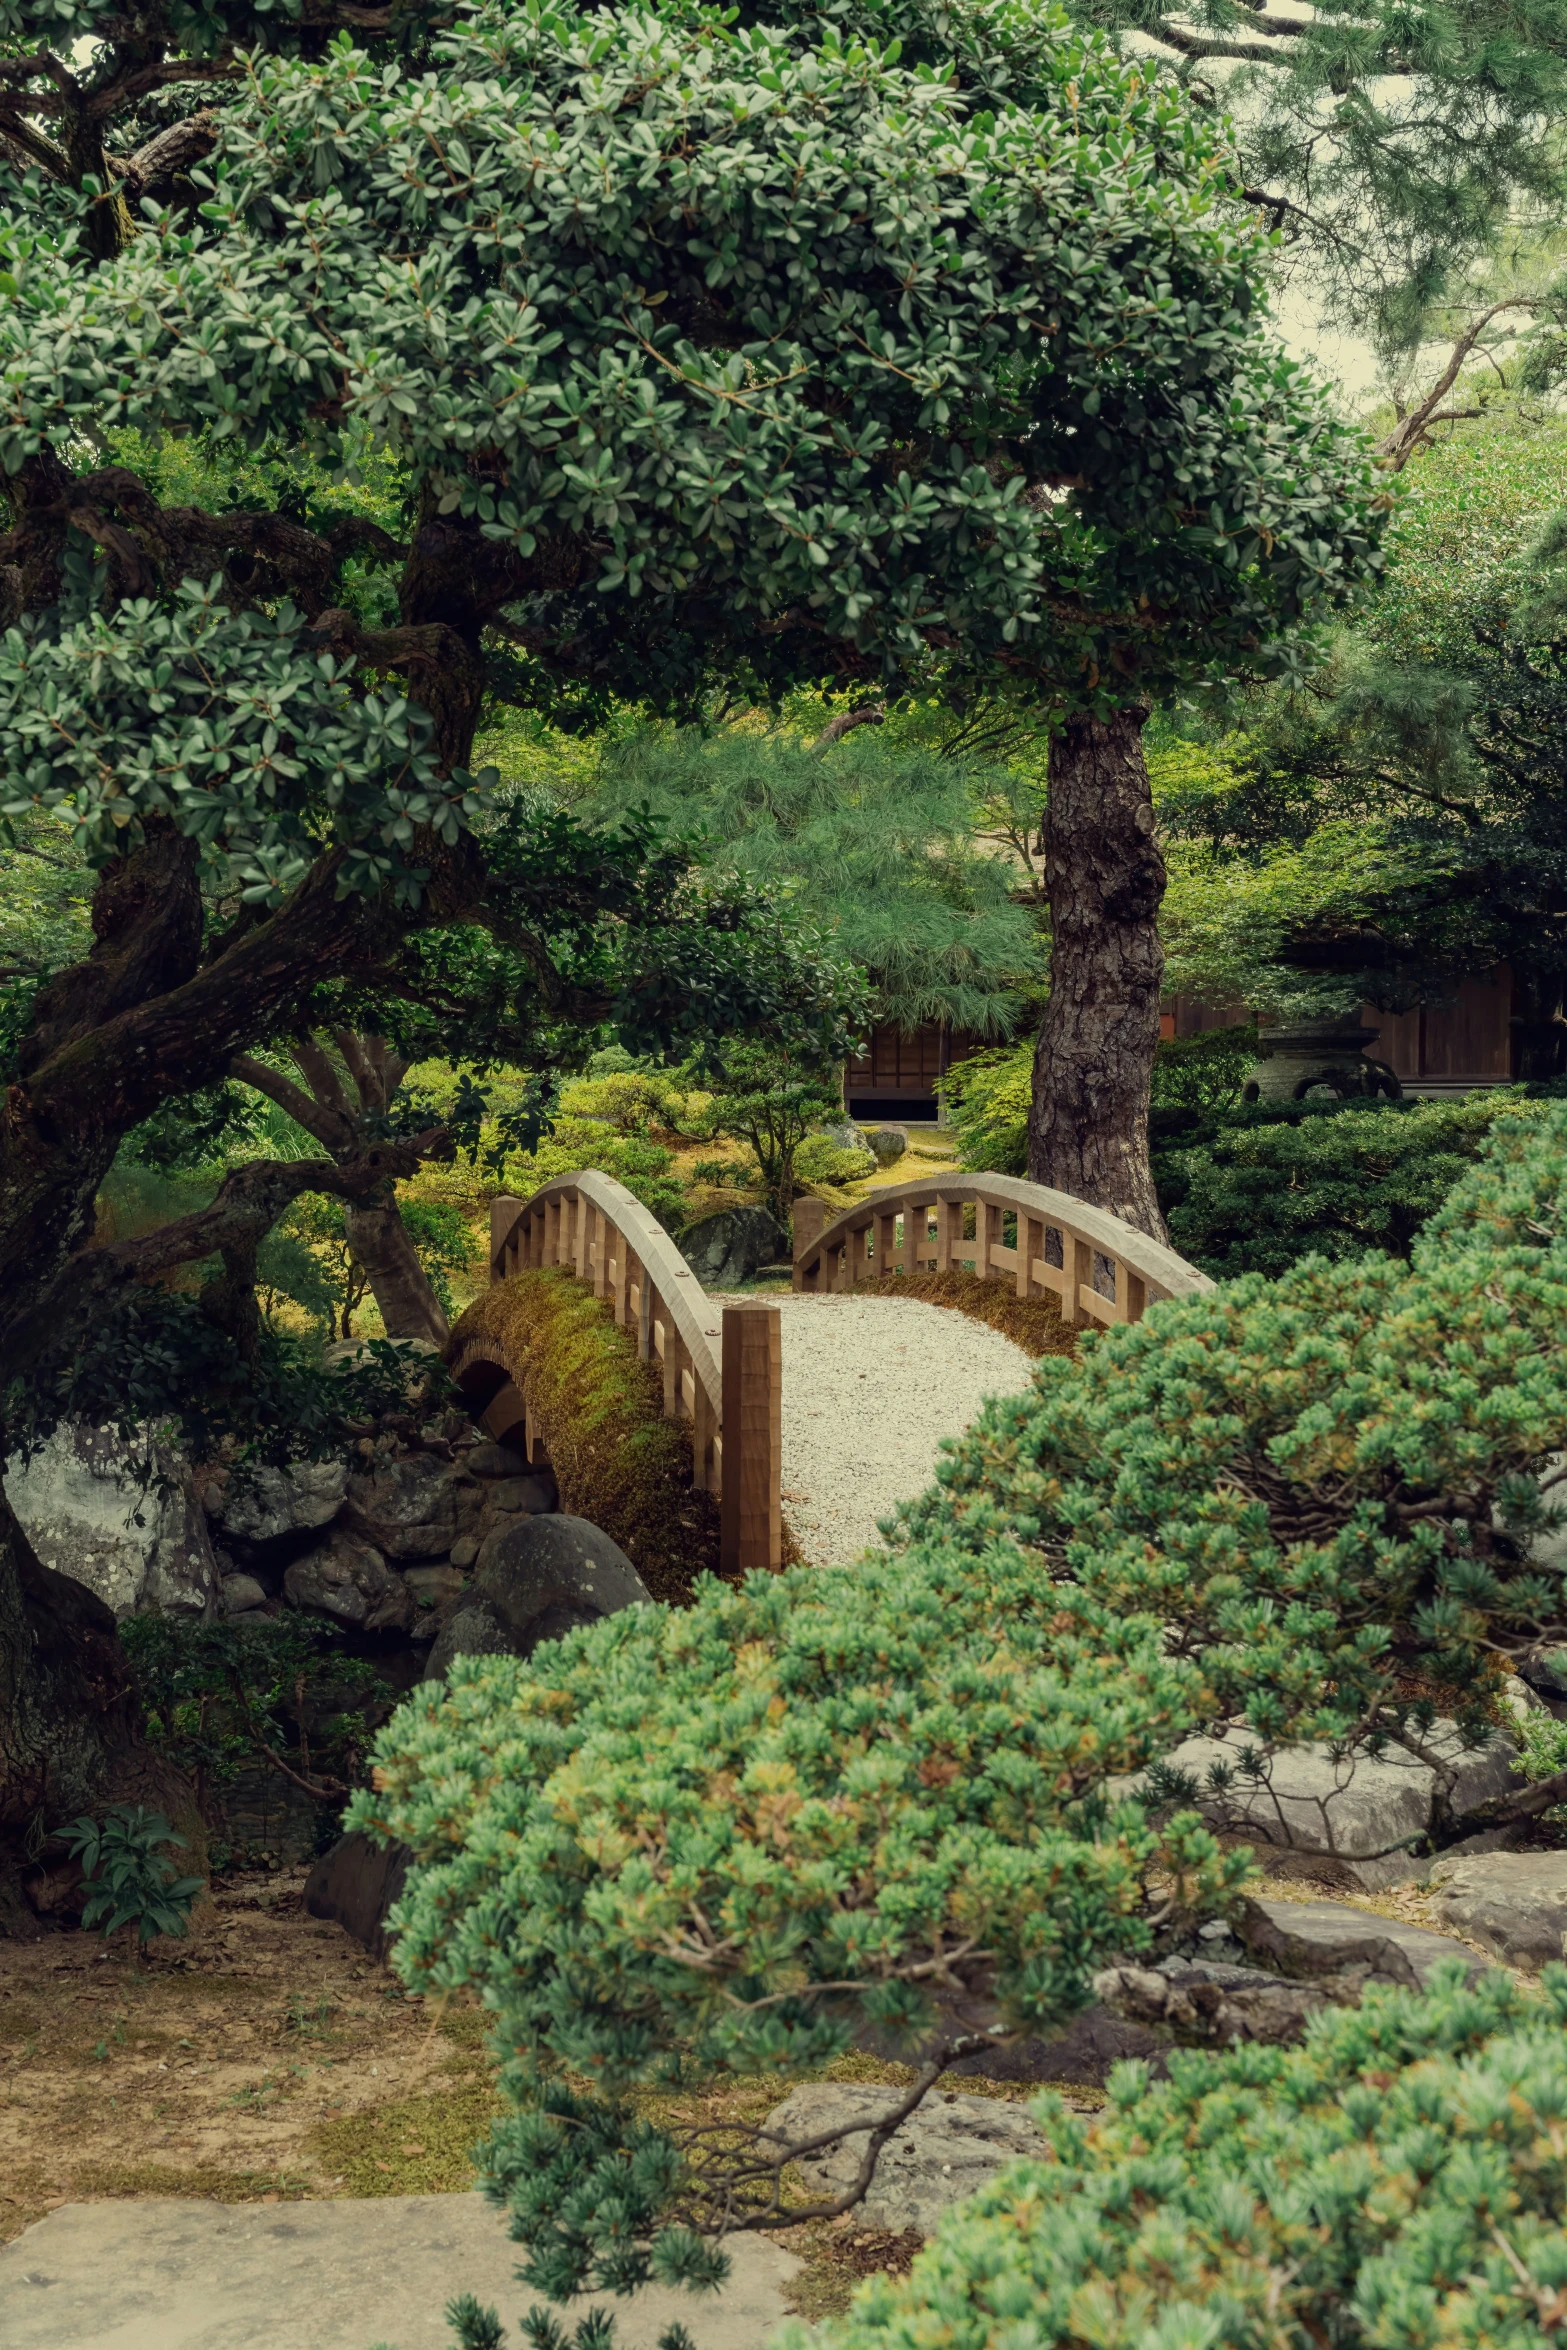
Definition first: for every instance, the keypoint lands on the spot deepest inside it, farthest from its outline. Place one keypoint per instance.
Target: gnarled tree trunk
(1104, 877)
(322, 1104)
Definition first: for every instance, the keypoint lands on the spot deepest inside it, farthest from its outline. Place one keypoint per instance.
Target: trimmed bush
(1398, 2181)
(1259, 1193)
(721, 1839)
(617, 1460)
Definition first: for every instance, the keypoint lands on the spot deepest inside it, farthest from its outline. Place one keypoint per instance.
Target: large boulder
(409, 1508)
(87, 1514)
(1363, 1812)
(264, 1504)
(534, 1580)
(349, 1580)
(1514, 1904)
(355, 1884)
(887, 1144)
(1328, 1938)
(948, 2147)
(732, 1245)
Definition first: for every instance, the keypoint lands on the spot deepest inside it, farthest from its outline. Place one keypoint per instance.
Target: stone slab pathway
(343, 2274)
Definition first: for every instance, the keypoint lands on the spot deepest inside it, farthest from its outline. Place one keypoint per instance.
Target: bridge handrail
(722, 1366)
(1107, 1270)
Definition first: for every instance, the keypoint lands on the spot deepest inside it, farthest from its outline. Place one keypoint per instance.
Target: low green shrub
(821, 1160)
(1257, 1193)
(1397, 2183)
(643, 1166)
(682, 1842)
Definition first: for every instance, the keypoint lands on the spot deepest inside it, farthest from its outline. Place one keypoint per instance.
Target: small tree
(772, 1103)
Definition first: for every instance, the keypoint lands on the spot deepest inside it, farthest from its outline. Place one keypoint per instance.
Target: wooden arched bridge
(722, 1360)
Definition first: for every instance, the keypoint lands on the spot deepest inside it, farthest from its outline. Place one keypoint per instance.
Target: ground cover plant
(1397, 2181)
(723, 1837)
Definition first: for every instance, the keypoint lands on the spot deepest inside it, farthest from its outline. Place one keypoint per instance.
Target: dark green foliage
(1203, 1072)
(220, 1697)
(193, 1134)
(157, 1358)
(871, 838)
(127, 1880)
(1397, 2182)
(1258, 1194)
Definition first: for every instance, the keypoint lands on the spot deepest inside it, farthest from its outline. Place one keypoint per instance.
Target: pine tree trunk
(1104, 877)
(409, 1306)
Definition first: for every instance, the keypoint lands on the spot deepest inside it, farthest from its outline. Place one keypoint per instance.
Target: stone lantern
(1293, 1062)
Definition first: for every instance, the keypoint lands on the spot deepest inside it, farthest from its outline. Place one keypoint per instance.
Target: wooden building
(896, 1076)
(1435, 1049)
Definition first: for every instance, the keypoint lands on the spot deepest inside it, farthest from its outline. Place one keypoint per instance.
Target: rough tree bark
(1104, 878)
(377, 1236)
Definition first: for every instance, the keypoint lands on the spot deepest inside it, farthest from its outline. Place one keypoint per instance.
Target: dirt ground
(267, 2058)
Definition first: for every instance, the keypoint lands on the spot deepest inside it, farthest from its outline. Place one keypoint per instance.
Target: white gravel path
(870, 1387)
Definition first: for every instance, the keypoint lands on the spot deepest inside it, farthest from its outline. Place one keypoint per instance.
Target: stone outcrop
(536, 1579)
(1514, 1904)
(350, 1580)
(1364, 1812)
(265, 1504)
(88, 1515)
(411, 1508)
(949, 2146)
(733, 1244)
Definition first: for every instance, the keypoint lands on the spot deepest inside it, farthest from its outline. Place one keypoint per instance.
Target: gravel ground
(870, 1387)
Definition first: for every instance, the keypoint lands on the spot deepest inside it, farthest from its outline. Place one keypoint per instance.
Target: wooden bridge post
(750, 1509)
(502, 1213)
(809, 1217)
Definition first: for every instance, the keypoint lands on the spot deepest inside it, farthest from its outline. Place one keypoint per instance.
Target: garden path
(871, 1385)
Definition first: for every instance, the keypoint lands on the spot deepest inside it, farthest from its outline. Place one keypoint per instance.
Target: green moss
(1033, 1323)
(617, 1460)
(412, 2146)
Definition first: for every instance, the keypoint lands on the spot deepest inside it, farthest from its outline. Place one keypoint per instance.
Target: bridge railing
(1047, 1243)
(722, 1365)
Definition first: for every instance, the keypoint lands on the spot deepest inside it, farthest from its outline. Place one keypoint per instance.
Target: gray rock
(437, 1592)
(887, 1144)
(1314, 1938)
(494, 1460)
(536, 1579)
(731, 1245)
(79, 1501)
(948, 2147)
(355, 1884)
(464, 1550)
(1513, 1904)
(1204, 2002)
(1360, 1810)
(846, 1136)
(408, 1508)
(266, 1503)
(532, 1495)
(474, 1630)
(241, 1593)
(349, 1579)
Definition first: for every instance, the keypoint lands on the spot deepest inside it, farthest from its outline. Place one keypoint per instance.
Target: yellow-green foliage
(616, 1458)
(414, 2145)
